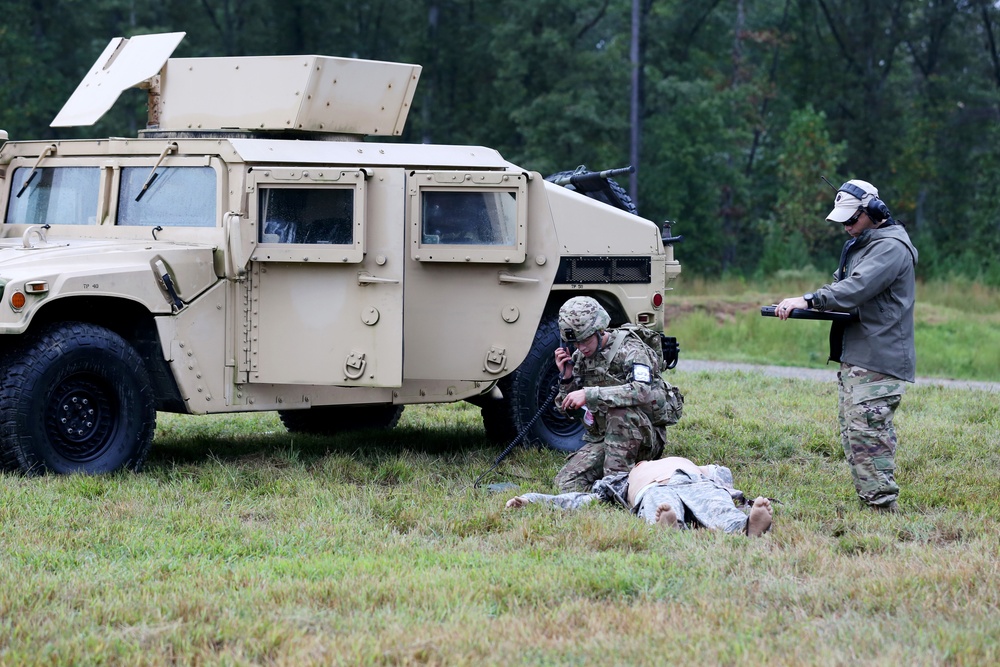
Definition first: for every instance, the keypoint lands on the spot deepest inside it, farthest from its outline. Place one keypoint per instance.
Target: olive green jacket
(876, 283)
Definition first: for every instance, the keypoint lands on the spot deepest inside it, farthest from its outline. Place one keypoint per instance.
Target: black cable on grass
(524, 431)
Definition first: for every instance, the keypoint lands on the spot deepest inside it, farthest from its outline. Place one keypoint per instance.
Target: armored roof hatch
(125, 63)
(256, 93)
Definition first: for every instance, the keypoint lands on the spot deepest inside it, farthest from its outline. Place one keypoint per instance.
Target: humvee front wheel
(527, 390)
(75, 398)
(333, 419)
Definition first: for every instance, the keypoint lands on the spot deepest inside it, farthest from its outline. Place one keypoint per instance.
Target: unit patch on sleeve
(641, 373)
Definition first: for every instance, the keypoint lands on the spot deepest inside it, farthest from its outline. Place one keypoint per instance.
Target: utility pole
(635, 127)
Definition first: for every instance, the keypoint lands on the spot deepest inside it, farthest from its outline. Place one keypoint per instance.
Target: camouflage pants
(629, 437)
(697, 500)
(868, 401)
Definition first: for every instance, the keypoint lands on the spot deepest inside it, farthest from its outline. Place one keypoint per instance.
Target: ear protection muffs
(875, 207)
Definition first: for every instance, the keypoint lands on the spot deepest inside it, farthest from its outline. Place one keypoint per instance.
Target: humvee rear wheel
(75, 398)
(333, 419)
(497, 420)
(525, 391)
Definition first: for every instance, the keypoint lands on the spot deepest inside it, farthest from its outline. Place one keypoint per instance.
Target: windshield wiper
(171, 147)
(31, 174)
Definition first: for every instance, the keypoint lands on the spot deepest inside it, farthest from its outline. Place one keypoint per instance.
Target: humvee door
(473, 302)
(323, 310)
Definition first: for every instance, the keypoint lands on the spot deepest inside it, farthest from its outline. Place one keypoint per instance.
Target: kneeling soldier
(615, 377)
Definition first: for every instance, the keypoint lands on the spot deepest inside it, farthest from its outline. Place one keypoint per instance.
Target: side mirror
(665, 235)
(240, 244)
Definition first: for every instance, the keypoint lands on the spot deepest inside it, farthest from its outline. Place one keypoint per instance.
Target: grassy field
(241, 545)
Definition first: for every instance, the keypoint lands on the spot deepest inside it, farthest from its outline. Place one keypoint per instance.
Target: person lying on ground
(673, 492)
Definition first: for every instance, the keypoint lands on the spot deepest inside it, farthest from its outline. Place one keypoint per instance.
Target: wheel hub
(79, 422)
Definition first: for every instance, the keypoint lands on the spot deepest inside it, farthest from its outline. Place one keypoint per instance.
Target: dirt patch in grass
(722, 311)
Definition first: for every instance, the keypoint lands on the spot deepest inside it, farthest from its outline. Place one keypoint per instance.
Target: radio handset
(568, 348)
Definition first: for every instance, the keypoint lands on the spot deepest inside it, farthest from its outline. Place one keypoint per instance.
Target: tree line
(741, 106)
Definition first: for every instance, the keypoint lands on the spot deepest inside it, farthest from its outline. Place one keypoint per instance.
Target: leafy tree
(561, 68)
(743, 103)
(797, 235)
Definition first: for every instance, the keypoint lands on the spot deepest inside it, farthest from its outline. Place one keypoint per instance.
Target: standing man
(875, 283)
(613, 379)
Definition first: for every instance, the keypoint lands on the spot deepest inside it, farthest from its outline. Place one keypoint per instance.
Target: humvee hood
(126, 268)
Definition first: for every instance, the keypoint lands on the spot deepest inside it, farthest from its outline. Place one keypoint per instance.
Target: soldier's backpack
(664, 348)
(666, 351)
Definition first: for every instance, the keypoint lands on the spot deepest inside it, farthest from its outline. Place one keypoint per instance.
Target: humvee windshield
(55, 196)
(177, 197)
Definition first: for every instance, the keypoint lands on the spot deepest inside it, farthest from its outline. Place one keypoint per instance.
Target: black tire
(623, 196)
(75, 398)
(613, 195)
(334, 419)
(525, 390)
(497, 420)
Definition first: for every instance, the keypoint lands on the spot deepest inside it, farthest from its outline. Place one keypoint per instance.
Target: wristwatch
(809, 296)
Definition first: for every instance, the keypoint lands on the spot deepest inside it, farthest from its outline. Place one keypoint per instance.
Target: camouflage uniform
(699, 500)
(868, 401)
(875, 282)
(630, 414)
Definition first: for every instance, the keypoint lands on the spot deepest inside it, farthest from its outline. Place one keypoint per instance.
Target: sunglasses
(854, 218)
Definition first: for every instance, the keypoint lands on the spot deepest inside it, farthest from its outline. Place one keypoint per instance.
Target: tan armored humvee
(251, 250)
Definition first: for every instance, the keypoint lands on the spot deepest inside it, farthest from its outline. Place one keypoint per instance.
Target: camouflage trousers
(697, 500)
(629, 437)
(868, 401)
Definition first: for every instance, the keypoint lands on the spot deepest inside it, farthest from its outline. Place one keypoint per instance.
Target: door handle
(365, 278)
(506, 278)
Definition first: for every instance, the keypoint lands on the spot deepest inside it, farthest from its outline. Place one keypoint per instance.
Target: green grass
(957, 330)
(242, 544)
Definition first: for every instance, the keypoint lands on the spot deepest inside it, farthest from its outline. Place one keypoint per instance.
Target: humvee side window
(469, 218)
(300, 215)
(308, 215)
(55, 196)
(176, 197)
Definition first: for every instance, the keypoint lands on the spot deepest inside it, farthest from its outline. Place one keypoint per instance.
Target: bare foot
(517, 501)
(761, 515)
(666, 516)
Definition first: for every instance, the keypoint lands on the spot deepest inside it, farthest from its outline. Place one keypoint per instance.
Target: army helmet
(581, 317)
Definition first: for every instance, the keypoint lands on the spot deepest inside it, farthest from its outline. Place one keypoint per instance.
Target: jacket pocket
(670, 410)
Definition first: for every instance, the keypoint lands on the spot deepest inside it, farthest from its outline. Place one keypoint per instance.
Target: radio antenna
(829, 183)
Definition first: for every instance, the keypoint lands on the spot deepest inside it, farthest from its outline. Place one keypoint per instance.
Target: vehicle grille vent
(583, 270)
